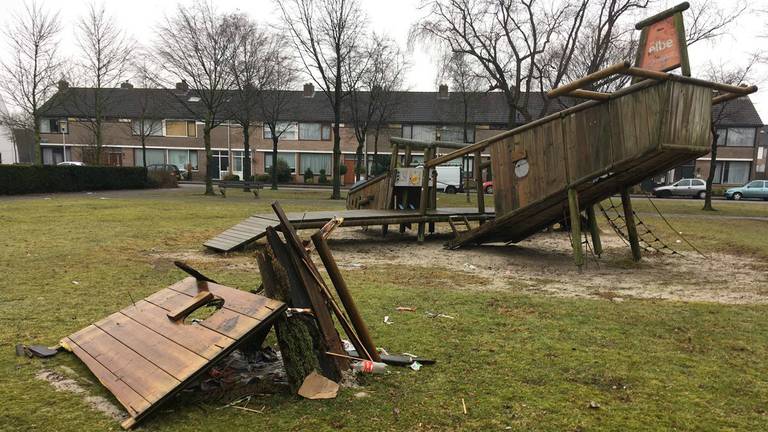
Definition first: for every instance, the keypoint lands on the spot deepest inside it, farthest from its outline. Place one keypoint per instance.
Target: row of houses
(308, 141)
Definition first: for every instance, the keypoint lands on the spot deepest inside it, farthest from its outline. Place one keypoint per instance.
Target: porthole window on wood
(521, 168)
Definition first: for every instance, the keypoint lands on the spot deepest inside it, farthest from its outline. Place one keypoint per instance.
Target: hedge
(23, 179)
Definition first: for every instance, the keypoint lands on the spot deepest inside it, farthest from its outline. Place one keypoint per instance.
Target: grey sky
(394, 17)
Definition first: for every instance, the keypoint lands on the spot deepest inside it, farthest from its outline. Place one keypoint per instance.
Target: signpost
(662, 42)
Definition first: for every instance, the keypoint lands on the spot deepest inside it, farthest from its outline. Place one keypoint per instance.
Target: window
(423, 133)
(180, 128)
(147, 127)
(683, 183)
(456, 134)
(732, 172)
(736, 137)
(698, 183)
(757, 184)
(310, 131)
(326, 132)
(406, 132)
(154, 156)
(316, 162)
(288, 157)
(237, 160)
(284, 130)
(182, 158)
(53, 125)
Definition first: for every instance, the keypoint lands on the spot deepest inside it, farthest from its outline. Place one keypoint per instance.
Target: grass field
(520, 361)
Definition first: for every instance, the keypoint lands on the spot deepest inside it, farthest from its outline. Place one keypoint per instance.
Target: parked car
(449, 178)
(488, 187)
(753, 189)
(695, 188)
(71, 163)
(170, 168)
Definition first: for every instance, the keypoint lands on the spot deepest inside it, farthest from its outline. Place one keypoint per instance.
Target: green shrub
(323, 179)
(309, 176)
(24, 179)
(162, 179)
(231, 177)
(380, 164)
(262, 178)
(283, 171)
(342, 169)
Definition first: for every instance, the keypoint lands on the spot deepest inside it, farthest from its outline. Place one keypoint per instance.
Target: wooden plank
(134, 370)
(203, 341)
(197, 301)
(133, 402)
(236, 300)
(163, 353)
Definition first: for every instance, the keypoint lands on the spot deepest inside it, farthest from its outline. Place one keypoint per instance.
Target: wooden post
(575, 216)
(629, 219)
(406, 163)
(424, 196)
(478, 174)
(594, 231)
(433, 199)
(346, 298)
(391, 191)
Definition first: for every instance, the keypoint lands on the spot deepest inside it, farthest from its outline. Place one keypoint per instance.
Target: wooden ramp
(254, 227)
(143, 357)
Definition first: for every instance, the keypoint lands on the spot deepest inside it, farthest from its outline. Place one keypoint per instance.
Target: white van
(449, 178)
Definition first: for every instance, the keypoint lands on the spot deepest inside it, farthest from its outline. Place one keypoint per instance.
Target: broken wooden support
(478, 174)
(629, 219)
(594, 231)
(344, 295)
(575, 219)
(197, 301)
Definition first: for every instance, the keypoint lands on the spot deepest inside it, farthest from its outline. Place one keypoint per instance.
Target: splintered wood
(143, 356)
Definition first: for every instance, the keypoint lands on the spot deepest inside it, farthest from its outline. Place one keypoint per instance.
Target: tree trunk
(511, 117)
(273, 175)
(359, 159)
(208, 158)
(712, 167)
(246, 155)
(375, 150)
(298, 334)
(336, 194)
(37, 156)
(144, 154)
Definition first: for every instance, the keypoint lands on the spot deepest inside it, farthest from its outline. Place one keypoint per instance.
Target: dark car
(169, 168)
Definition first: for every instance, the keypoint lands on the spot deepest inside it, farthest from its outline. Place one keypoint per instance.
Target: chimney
(442, 92)
(182, 85)
(126, 85)
(309, 90)
(63, 85)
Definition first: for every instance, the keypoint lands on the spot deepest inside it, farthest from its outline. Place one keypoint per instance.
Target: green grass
(520, 361)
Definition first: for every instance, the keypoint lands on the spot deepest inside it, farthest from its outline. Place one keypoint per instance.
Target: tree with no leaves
(105, 54)
(326, 34)
(28, 77)
(373, 79)
(196, 45)
(150, 108)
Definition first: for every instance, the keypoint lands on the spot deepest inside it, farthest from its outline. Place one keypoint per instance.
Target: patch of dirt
(544, 264)
(97, 403)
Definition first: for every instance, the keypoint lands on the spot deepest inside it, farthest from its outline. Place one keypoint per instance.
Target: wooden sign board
(408, 177)
(662, 42)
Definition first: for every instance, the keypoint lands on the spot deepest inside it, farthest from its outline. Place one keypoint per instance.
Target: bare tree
(148, 122)
(105, 54)
(326, 34)
(196, 45)
(733, 75)
(457, 70)
(274, 101)
(372, 80)
(707, 20)
(509, 40)
(251, 72)
(28, 77)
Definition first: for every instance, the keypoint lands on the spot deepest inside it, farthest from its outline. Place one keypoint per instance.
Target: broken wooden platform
(255, 226)
(143, 357)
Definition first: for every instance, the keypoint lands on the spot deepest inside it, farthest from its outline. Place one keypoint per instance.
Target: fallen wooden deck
(254, 227)
(143, 357)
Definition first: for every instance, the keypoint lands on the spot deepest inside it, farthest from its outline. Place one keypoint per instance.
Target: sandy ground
(543, 264)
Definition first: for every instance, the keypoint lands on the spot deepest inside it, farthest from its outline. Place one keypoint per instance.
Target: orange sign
(661, 51)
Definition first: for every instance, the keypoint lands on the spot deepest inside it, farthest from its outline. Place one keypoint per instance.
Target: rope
(648, 240)
(679, 234)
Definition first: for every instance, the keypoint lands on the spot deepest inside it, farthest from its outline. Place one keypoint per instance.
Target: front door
(115, 159)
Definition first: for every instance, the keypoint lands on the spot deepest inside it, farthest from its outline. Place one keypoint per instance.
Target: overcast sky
(394, 17)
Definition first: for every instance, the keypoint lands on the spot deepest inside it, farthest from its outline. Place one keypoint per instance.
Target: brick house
(308, 142)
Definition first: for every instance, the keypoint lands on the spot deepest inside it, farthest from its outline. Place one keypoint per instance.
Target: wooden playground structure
(550, 169)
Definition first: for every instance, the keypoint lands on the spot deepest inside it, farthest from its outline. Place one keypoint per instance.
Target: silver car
(695, 188)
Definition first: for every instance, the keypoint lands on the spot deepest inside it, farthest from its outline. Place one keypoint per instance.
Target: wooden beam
(629, 219)
(661, 15)
(589, 79)
(665, 76)
(594, 231)
(587, 94)
(478, 173)
(575, 218)
(729, 96)
(422, 145)
(344, 295)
